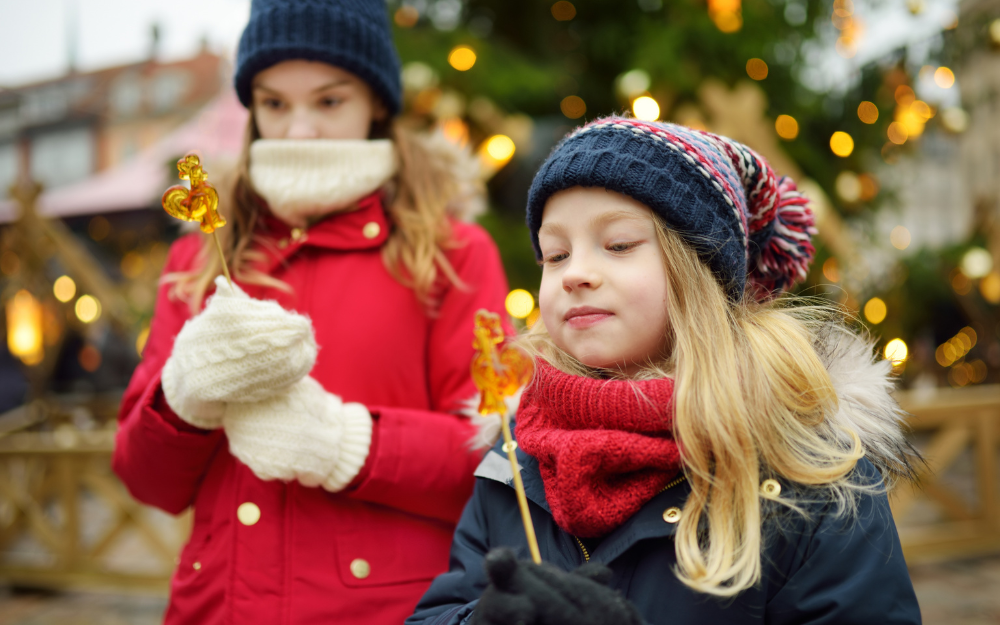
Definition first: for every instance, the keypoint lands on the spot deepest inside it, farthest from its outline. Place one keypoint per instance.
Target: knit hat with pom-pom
(746, 223)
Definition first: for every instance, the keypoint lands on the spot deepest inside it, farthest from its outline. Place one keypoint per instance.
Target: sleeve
(422, 461)
(844, 561)
(453, 596)
(160, 458)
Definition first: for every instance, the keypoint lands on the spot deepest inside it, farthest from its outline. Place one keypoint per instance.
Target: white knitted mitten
(238, 349)
(304, 434)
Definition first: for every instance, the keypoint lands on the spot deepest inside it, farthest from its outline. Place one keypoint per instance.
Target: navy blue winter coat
(825, 569)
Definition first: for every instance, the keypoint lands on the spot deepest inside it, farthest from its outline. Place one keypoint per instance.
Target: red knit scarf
(604, 447)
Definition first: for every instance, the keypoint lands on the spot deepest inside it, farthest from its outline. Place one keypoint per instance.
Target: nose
(580, 274)
(302, 126)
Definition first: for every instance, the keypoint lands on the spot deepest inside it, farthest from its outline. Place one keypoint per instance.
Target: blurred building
(69, 128)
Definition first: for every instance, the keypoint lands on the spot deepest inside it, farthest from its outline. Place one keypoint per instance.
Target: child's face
(310, 100)
(604, 285)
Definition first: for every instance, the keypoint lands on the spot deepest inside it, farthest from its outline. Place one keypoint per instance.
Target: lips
(586, 316)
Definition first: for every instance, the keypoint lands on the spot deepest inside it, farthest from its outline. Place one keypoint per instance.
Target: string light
(875, 310)
(462, 58)
(64, 288)
(24, 327)
(900, 238)
(896, 351)
(757, 69)
(573, 107)
(787, 127)
(944, 77)
(563, 11)
(842, 144)
(868, 112)
(519, 303)
(88, 309)
(646, 109)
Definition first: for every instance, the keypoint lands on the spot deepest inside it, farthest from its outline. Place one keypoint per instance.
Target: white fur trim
(306, 178)
(863, 383)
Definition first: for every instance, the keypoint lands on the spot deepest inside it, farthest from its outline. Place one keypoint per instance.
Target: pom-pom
(784, 258)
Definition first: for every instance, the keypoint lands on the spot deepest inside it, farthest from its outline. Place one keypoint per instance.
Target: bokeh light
(500, 147)
(757, 69)
(875, 310)
(406, 16)
(519, 303)
(88, 309)
(563, 11)
(462, 58)
(897, 133)
(976, 263)
(89, 358)
(24, 327)
(64, 288)
(787, 127)
(831, 270)
(896, 351)
(646, 109)
(900, 238)
(989, 287)
(944, 77)
(848, 186)
(573, 107)
(868, 112)
(841, 143)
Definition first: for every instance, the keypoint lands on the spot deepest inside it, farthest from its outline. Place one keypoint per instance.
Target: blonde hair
(420, 198)
(752, 400)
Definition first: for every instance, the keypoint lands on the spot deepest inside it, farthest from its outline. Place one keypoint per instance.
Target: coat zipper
(586, 554)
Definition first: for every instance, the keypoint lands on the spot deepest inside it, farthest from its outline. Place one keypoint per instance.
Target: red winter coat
(364, 555)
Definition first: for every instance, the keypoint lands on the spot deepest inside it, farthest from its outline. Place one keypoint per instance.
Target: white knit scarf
(307, 178)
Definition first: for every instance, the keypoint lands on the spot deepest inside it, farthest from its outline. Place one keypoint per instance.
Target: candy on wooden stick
(498, 373)
(199, 203)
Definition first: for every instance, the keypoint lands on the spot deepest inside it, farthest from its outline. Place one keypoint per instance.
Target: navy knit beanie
(745, 223)
(351, 34)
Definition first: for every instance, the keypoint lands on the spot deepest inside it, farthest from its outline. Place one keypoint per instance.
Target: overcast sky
(35, 35)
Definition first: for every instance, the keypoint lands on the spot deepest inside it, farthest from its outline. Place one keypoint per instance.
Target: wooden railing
(955, 509)
(67, 521)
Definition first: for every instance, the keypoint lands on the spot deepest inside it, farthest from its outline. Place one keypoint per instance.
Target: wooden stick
(222, 257)
(522, 499)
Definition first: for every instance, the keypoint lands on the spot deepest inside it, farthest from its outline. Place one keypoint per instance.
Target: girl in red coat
(309, 412)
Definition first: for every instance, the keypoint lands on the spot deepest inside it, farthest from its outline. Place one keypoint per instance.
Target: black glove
(525, 593)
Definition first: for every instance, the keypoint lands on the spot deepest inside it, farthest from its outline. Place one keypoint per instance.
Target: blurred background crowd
(886, 111)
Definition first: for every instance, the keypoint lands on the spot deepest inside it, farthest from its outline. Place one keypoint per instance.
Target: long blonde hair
(752, 399)
(420, 200)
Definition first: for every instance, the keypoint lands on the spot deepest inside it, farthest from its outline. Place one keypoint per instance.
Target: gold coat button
(283, 243)
(360, 568)
(297, 234)
(672, 515)
(248, 513)
(196, 566)
(770, 488)
(371, 230)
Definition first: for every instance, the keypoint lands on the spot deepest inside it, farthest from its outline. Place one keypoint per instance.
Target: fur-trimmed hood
(863, 383)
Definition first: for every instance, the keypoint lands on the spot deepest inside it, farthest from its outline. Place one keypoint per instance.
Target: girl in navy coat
(707, 452)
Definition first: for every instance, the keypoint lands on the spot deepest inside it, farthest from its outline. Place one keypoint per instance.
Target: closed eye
(554, 258)
(623, 247)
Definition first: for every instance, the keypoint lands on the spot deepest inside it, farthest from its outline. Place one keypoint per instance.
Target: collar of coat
(366, 227)
(648, 523)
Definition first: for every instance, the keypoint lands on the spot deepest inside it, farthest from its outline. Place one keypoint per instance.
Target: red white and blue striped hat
(747, 224)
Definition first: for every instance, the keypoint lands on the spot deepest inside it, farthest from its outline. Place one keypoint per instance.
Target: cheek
(352, 120)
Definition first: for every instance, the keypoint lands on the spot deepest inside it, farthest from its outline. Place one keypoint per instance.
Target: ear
(380, 112)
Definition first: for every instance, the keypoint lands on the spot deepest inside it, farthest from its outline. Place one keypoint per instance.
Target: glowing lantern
(24, 327)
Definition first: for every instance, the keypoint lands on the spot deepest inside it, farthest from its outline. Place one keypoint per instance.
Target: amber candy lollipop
(498, 372)
(199, 203)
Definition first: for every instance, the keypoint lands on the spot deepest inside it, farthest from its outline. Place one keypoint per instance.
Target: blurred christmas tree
(532, 70)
